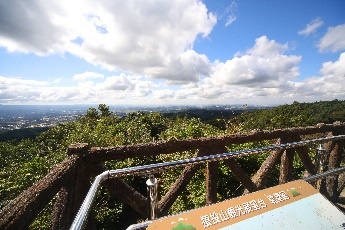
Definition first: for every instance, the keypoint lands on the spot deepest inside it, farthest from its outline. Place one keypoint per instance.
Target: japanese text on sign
(241, 209)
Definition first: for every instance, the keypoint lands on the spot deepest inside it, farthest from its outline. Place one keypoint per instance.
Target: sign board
(294, 205)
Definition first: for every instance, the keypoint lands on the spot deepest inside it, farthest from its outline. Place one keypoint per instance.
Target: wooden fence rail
(70, 180)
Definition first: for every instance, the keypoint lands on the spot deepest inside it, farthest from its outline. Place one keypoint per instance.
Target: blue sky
(171, 52)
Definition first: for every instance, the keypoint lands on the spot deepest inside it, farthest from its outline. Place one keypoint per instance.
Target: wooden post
(168, 200)
(71, 196)
(69, 201)
(180, 184)
(261, 175)
(211, 182)
(241, 175)
(307, 162)
(286, 166)
(336, 149)
(286, 162)
(212, 174)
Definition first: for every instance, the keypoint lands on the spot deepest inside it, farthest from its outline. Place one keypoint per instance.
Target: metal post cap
(149, 182)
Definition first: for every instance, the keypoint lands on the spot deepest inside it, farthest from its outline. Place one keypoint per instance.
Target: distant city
(37, 116)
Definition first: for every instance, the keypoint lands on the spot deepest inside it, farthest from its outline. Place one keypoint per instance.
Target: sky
(163, 52)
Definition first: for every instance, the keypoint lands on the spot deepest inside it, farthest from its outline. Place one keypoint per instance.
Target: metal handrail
(82, 213)
(154, 168)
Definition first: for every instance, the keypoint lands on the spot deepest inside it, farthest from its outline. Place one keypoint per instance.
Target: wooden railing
(70, 180)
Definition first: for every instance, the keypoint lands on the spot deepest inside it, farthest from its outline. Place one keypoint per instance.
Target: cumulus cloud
(333, 40)
(117, 83)
(264, 47)
(330, 85)
(187, 67)
(19, 90)
(335, 69)
(263, 71)
(12, 82)
(87, 75)
(152, 41)
(35, 26)
(256, 76)
(133, 36)
(264, 65)
(163, 94)
(109, 90)
(311, 27)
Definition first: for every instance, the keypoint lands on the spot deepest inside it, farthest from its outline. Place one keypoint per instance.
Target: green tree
(92, 114)
(294, 115)
(105, 110)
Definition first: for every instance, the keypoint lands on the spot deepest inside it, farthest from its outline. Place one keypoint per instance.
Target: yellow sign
(264, 208)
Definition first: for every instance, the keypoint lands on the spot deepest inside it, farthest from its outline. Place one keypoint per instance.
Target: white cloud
(12, 82)
(311, 27)
(87, 75)
(262, 73)
(188, 67)
(270, 76)
(131, 36)
(110, 90)
(267, 48)
(118, 83)
(150, 41)
(231, 11)
(335, 69)
(164, 94)
(333, 40)
(36, 26)
(330, 85)
(19, 90)
(264, 65)
(231, 19)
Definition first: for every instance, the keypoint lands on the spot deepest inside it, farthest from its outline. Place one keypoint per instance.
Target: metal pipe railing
(154, 168)
(84, 209)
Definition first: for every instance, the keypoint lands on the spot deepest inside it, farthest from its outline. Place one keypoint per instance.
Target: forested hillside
(24, 162)
(296, 114)
(21, 134)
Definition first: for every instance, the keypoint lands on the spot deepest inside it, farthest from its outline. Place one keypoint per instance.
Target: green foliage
(101, 130)
(21, 165)
(189, 128)
(294, 115)
(107, 210)
(21, 134)
(43, 220)
(194, 195)
(104, 110)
